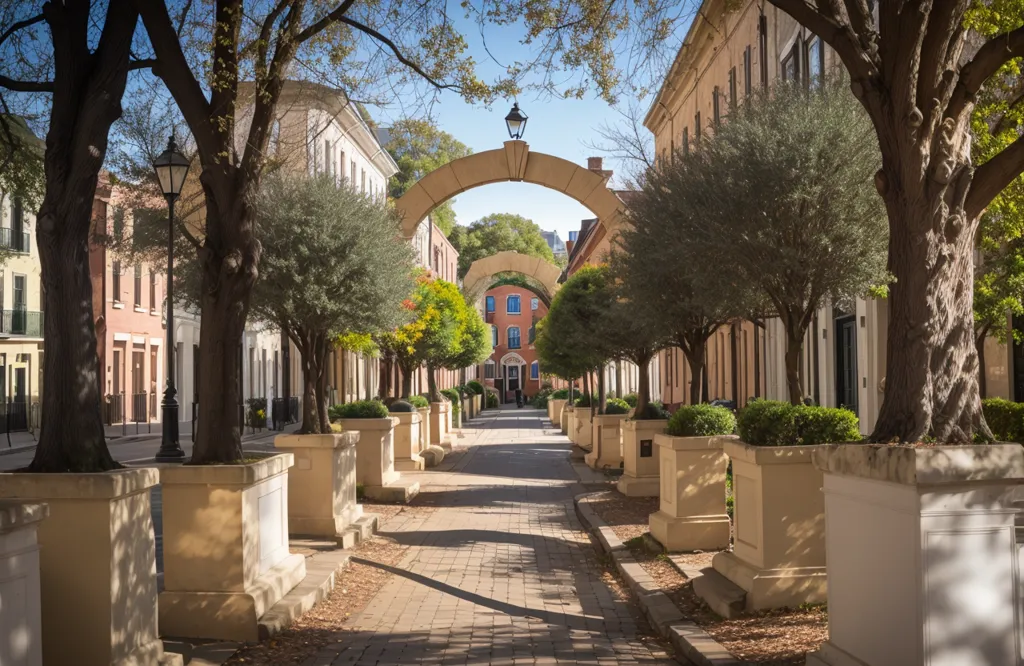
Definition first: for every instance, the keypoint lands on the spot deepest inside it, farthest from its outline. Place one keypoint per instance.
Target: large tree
(333, 265)
(499, 232)
(779, 198)
(419, 147)
(918, 70)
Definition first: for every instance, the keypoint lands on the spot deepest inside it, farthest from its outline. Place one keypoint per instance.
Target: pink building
(128, 305)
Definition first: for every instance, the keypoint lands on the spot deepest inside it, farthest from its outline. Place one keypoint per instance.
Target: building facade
(511, 313)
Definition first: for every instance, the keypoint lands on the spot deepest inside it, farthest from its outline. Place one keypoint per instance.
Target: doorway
(846, 362)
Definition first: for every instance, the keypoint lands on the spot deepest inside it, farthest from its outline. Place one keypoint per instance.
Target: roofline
(663, 92)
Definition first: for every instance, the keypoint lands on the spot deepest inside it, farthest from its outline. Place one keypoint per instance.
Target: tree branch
(990, 57)
(319, 26)
(25, 86)
(993, 176)
(21, 25)
(142, 63)
(398, 54)
(839, 36)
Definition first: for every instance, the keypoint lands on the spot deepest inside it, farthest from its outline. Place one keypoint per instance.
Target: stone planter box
(20, 613)
(440, 420)
(375, 460)
(407, 441)
(640, 460)
(584, 428)
(424, 413)
(555, 408)
(923, 564)
(226, 556)
(565, 420)
(778, 555)
(478, 404)
(692, 513)
(607, 451)
(97, 565)
(322, 483)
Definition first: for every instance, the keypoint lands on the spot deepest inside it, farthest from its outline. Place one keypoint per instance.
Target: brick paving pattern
(502, 572)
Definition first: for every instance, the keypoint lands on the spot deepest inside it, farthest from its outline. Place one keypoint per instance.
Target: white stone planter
(407, 441)
(691, 514)
(20, 606)
(424, 413)
(97, 565)
(565, 420)
(322, 483)
(226, 556)
(583, 426)
(778, 554)
(640, 460)
(555, 408)
(607, 445)
(440, 423)
(478, 404)
(375, 460)
(923, 564)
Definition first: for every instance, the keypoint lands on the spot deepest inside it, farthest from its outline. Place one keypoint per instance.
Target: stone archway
(514, 162)
(482, 271)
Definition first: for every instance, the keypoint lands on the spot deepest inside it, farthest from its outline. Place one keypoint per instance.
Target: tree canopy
(498, 232)
(419, 147)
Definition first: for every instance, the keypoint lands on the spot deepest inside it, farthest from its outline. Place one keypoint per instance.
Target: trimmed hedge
(560, 394)
(401, 406)
(475, 387)
(775, 423)
(361, 409)
(585, 400)
(701, 421)
(631, 399)
(655, 410)
(1004, 418)
(418, 401)
(616, 406)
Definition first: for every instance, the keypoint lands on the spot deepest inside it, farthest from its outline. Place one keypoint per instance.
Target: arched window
(490, 303)
(513, 337)
(535, 370)
(494, 336)
(512, 304)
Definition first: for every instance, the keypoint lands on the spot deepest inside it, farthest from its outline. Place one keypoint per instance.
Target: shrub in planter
(361, 409)
(701, 421)
(616, 406)
(476, 387)
(453, 397)
(655, 411)
(419, 402)
(774, 423)
(256, 412)
(826, 425)
(492, 400)
(1005, 418)
(540, 401)
(630, 399)
(401, 406)
(585, 400)
(560, 394)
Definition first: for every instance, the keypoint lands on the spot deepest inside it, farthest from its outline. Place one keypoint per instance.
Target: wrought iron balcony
(22, 322)
(9, 240)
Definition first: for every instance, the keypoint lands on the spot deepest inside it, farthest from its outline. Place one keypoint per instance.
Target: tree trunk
(308, 352)
(384, 369)
(979, 345)
(586, 387)
(323, 355)
(695, 360)
(794, 346)
(643, 389)
(599, 407)
(87, 92)
(407, 371)
(433, 394)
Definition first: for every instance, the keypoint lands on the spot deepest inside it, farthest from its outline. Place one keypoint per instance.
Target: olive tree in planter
(779, 198)
(692, 512)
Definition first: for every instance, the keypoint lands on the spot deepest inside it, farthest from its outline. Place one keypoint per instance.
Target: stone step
(359, 531)
(321, 572)
(723, 596)
(400, 491)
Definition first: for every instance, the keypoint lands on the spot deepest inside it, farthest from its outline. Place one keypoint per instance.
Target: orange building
(511, 311)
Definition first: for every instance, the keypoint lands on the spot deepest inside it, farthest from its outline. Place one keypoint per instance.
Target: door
(18, 418)
(19, 315)
(512, 372)
(139, 386)
(846, 362)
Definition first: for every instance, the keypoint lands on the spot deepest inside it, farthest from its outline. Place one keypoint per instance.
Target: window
(534, 303)
(686, 141)
(362, 174)
(535, 370)
(815, 61)
(489, 369)
(352, 174)
(716, 105)
(732, 88)
(328, 157)
(118, 223)
(762, 48)
(490, 303)
(138, 285)
(513, 337)
(791, 64)
(512, 304)
(747, 83)
(494, 336)
(115, 282)
(341, 165)
(696, 127)
(152, 290)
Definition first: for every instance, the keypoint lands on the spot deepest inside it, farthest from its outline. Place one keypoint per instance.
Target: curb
(692, 642)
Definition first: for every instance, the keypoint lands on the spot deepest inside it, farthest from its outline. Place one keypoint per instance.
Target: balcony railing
(22, 322)
(10, 240)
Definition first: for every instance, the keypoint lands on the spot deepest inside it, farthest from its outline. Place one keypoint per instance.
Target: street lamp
(516, 122)
(171, 168)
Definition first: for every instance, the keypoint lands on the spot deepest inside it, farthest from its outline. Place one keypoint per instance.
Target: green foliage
(21, 163)
(476, 387)
(616, 406)
(774, 423)
(565, 337)
(401, 406)
(630, 399)
(360, 409)
(419, 147)
(498, 232)
(655, 411)
(560, 394)
(256, 412)
(454, 398)
(540, 400)
(419, 401)
(492, 400)
(1005, 418)
(585, 400)
(701, 421)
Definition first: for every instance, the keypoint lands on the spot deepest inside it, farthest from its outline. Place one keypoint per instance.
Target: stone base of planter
(583, 427)
(97, 565)
(773, 588)
(407, 441)
(322, 483)
(414, 463)
(401, 490)
(563, 419)
(691, 532)
(20, 613)
(607, 451)
(440, 422)
(638, 486)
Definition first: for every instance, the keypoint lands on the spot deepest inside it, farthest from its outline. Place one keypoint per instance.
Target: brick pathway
(501, 573)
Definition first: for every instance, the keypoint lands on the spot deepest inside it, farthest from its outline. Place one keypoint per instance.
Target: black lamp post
(516, 122)
(171, 168)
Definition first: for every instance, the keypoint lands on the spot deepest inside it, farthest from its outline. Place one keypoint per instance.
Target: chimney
(595, 163)
(569, 245)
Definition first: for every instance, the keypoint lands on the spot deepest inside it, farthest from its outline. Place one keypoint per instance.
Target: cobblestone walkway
(501, 573)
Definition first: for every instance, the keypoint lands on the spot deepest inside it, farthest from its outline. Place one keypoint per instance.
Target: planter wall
(692, 512)
(565, 420)
(97, 565)
(607, 445)
(20, 612)
(640, 460)
(440, 415)
(322, 483)
(375, 453)
(923, 563)
(424, 413)
(583, 421)
(478, 403)
(555, 408)
(778, 554)
(407, 441)
(226, 556)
